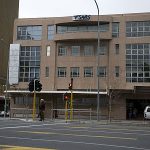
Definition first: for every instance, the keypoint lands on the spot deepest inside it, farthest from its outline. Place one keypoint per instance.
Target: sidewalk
(144, 123)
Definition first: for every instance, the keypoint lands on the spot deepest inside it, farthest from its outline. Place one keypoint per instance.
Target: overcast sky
(59, 8)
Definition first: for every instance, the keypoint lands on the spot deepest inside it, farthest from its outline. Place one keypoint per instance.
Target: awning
(57, 92)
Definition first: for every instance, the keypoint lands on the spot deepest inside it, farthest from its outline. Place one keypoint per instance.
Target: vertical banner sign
(13, 63)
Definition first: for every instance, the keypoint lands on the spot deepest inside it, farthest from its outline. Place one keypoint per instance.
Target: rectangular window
(61, 71)
(88, 50)
(74, 72)
(117, 71)
(24, 100)
(103, 48)
(104, 27)
(75, 51)
(137, 28)
(62, 51)
(115, 29)
(137, 62)
(102, 71)
(29, 63)
(29, 32)
(88, 71)
(51, 32)
(48, 50)
(117, 48)
(46, 71)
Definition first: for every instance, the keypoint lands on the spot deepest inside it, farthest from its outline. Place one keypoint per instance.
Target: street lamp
(98, 55)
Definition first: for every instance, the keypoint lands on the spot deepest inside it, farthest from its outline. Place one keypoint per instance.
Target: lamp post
(98, 58)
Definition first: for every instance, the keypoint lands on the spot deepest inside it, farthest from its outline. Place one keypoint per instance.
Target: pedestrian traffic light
(31, 86)
(38, 85)
(66, 97)
(70, 86)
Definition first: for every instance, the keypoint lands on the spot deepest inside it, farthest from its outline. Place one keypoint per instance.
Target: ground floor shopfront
(120, 106)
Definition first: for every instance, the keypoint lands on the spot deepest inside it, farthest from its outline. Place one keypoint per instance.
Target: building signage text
(81, 17)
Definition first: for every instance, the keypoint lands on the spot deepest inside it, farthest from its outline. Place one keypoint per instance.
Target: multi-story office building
(54, 50)
(8, 12)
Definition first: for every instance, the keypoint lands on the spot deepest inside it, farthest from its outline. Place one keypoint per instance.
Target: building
(8, 12)
(54, 50)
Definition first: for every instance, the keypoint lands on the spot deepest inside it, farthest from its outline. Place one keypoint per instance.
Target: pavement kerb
(94, 122)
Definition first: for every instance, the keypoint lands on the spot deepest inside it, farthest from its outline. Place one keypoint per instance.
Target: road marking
(80, 135)
(28, 126)
(10, 147)
(95, 131)
(75, 142)
(115, 129)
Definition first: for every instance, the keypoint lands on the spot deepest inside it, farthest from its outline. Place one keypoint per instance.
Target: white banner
(14, 64)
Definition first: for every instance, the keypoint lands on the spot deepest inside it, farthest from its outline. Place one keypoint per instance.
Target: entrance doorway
(135, 108)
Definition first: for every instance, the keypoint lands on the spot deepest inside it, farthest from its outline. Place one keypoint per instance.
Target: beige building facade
(54, 50)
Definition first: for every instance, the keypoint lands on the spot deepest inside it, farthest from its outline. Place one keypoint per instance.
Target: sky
(61, 8)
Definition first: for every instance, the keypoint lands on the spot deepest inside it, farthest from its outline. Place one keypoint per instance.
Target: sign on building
(14, 64)
(81, 17)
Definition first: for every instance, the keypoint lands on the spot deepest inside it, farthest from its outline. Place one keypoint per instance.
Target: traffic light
(31, 86)
(66, 97)
(70, 86)
(38, 85)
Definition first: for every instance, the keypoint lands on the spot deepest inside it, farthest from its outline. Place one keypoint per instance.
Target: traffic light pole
(34, 102)
(71, 101)
(71, 106)
(66, 110)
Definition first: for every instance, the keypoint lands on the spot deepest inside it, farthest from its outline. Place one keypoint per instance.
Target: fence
(78, 114)
(21, 113)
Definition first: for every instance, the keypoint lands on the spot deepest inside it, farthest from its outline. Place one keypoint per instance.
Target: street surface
(22, 135)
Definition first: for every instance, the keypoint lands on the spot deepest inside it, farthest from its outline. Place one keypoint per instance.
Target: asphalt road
(21, 135)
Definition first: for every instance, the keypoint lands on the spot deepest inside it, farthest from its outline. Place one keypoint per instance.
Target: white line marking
(28, 126)
(74, 142)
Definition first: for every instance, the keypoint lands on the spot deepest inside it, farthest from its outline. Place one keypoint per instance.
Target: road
(21, 135)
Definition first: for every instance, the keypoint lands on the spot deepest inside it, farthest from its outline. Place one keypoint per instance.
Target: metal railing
(78, 114)
(21, 113)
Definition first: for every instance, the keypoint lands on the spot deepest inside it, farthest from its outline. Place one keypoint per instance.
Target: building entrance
(135, 108)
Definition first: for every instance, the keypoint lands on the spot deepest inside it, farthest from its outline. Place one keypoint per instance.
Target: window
(104, 27)
(137, 28)
(24, 100)
(51, 32)
(102, 71)
(62, 51)
(75, 51)
(138, 62)
(74, 72)
(29, 63)
(29, 32)
(103, 48)
(61, 71)
(117, 48)
(48, 50)
(88, 72)
(117, 71)
(82, 28)
(115, 29)
(46, 71)
(88, 50)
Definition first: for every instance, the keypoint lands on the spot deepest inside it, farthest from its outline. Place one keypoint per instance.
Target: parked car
(2, 114)
(147, 112)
